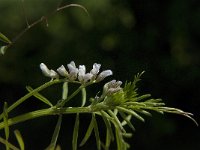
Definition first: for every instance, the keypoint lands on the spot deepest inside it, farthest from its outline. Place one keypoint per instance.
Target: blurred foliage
(127, 36)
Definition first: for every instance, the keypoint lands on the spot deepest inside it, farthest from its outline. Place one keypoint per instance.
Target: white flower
(82, 76)
(48, 73)
(73, 71)
(103, 75)
(62, 71)
(95, 69)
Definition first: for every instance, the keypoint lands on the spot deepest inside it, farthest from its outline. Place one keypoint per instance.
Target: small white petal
(47, 72)
(87, 77)
(73, 71)
(45, 69)
(95, 69)
(81, 70)
(62, 71)
(103, 75)
(53, 74)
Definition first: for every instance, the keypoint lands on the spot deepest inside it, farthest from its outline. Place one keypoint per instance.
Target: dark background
(126, 36)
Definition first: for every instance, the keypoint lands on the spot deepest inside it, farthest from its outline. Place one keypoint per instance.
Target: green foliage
(19, 139)
(116, 107)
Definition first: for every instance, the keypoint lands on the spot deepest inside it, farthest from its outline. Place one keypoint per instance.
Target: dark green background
(126, 36)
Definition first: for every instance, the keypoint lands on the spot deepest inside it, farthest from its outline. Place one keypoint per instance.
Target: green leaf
(75, 133)
(130, 89)
(108, 125)
(4, 38)
(39, 96)
(131, 112)
(19, 139)
(144, 112)
(128, 117)
(54, 138)
(6, 126)
(142, 97)
(3, 49)
(119, 139)
(108, 139)
(127, 120)
(96, 131)
(3, 141)
(88, 133)
(117, 122)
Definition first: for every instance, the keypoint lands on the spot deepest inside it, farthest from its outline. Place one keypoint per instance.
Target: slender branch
(24, 12)
(43, 18)
(22, 99)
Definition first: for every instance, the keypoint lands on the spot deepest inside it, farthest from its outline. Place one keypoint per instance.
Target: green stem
(22, 99)
(62, 103)
(53, 111)
(65, 90)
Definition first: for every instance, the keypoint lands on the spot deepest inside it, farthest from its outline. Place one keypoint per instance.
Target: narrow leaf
(3, 141)
(5, 118)
(142, 97)
(143, 112)
(108, 126)
(3, 49)
(6, 126)
(39, 96)
(127, 135)
(54, 138)
(88, 133)
(75, 133)
(119, 139)
(19, 139)
(96, 131)
(108, 139)
(118, 123)
(4, 38)
(127, 120)
(131, 112)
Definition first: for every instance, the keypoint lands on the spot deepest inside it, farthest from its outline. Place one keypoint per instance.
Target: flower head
(73, 72)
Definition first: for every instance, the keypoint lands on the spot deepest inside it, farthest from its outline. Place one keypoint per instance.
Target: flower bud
(73, 71)
(62, 71)
(48, 73)
(95, 69)
(103, 75)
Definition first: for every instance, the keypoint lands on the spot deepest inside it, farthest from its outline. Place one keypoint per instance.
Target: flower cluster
(75, 73)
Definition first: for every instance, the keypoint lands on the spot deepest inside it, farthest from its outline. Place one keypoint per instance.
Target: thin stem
(62, 103)
(25, 97)
(43, 18)
(24, 12)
